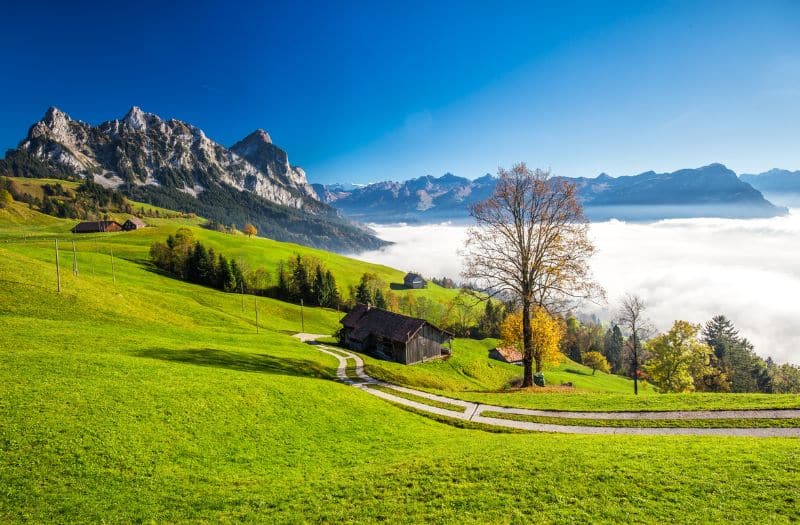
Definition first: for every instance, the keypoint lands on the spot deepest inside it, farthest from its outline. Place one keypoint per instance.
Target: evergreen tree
(319, 291)
(331, 292)
(195, 262)
(301, 287)
(380, 300)
(238, 276)
(735, 357)
(613, 348)
(283, 287)
(363, 293)
(226, 280)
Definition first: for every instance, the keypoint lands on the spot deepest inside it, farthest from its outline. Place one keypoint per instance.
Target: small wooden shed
(97, 226)
(414, 280)
(392, 336)
(507, 354)
(134, 223)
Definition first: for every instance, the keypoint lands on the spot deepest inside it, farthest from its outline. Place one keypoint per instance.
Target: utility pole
(58, 270)
(302, 318)
(113, 271)
(255, 305)
(74, 260)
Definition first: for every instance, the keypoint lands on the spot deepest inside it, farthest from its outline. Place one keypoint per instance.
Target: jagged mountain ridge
(173, 164)
(143, 149)
(712, 190)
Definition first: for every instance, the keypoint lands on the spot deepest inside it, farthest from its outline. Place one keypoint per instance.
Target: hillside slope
(149, 399)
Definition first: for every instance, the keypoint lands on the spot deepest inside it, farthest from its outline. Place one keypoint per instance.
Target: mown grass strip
(418, 399)
(650, 423)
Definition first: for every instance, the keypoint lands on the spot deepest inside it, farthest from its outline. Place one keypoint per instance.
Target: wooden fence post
(113, 271)
(255, 305)
(74, 260)
(58, 270)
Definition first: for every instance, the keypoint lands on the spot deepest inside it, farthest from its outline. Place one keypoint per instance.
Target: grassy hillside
(18, 222)
(155, 400)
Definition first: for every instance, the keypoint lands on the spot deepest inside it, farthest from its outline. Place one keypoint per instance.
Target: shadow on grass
(240, 361)
(576, 371)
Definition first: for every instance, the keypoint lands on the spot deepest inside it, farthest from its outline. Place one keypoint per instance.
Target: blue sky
(361, 92)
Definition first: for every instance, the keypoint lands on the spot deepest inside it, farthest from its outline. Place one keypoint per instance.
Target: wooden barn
(134, 223)
(414, 280)
(97, 226)
(392, 336)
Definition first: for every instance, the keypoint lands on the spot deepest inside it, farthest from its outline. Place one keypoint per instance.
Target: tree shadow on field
(577, 372)
(240, 361)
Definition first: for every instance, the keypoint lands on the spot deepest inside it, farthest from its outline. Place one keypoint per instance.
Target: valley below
(684, 268)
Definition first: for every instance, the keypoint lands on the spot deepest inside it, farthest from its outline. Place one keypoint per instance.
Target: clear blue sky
(363, 92)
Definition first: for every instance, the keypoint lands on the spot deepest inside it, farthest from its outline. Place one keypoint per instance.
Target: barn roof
(93, 226)
(507, 353)
(364, 320)
(137, 221)
(411, 276)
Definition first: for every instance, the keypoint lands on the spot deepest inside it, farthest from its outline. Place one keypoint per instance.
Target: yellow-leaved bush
(546, 334)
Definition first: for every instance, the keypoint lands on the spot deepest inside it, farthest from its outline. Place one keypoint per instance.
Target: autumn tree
(249, 230)
(678, 357)
(546, 334)
(631, 317)
(596, 361)
(530, 242)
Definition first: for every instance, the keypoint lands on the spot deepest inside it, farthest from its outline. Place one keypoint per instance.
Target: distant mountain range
(709, 191)
(173, 164)
(774, 181)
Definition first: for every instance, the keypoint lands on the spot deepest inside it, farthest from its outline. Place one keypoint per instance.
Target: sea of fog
(692, 269)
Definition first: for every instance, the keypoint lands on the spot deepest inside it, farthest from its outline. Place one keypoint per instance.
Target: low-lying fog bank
(686, 269)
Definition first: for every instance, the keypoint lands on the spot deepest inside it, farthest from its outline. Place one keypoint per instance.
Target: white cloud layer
(688, 269)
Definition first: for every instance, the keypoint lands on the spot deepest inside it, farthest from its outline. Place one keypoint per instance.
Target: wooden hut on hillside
(507, 354)
(393, 336)
(134, 223)
(414, 280)
(97, 227)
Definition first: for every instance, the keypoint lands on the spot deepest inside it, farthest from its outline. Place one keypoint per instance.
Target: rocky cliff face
(258, 149)
(143, 149)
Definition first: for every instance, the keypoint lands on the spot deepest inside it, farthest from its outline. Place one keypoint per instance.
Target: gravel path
(467, 411)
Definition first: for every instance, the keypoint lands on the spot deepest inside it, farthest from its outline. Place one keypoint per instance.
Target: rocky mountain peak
(259, 135)
(137, 119)
(54, 115)
(257, 148)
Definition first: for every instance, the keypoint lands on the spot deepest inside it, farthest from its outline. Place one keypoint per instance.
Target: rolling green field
(153, 400)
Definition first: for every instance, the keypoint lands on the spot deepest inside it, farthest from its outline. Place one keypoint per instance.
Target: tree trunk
(527, 344)
(635, 366)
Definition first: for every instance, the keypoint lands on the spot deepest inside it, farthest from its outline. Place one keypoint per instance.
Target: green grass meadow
(153, 400)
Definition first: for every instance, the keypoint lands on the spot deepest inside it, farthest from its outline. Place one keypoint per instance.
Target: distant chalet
(97, 227)
(134, 223)
(414, 280)
(392, 336)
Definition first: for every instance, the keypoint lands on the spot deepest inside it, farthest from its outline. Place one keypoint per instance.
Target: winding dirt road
(467, 411)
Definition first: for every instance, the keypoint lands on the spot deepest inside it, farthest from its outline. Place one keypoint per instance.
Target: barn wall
(426, 344)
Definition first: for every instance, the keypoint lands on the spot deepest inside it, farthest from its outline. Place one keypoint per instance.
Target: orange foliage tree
(546, 334)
